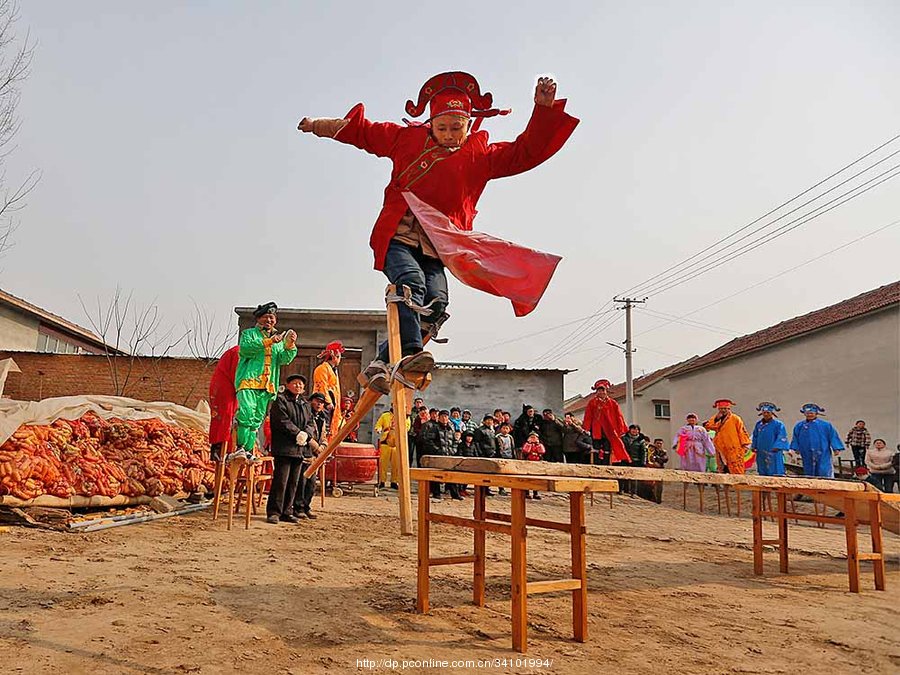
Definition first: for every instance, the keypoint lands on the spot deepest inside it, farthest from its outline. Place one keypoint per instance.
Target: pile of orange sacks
(92, 456)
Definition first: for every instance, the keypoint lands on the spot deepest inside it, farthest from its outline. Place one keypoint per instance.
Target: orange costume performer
(327, 382)
(604, 421)
(222, 399)
(732, 439)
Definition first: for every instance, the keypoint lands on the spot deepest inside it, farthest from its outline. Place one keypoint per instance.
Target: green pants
(252, 407)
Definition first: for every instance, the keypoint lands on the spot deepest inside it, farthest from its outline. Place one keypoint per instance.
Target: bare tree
(15, 65)
(207, 340)
(131, 335)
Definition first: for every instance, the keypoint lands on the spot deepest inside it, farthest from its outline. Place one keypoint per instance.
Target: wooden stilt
(782, 532)
(401, 402)
(877, 543)
(367, 401)
(579, 566)
(519, 590)
(424, 546)
(757, 533)
(234, 470)
(852, 544)
(220, 479)
(250, 486)
(479, 540)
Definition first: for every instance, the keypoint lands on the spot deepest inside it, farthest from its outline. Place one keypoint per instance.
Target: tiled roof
(853, 308)
(52, 320)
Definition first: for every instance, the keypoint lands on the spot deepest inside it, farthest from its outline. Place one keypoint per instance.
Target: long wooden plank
(518, 467)
(890, 509)
(546, 483)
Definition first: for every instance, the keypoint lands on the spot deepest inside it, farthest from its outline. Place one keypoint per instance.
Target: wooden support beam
(782, 532)
(579, 566)
(518, 590)
(531, 522)
(468, 522)
(869, 556)
(424, 545)
(877, 544)
(552, 585)
(480, 515)
(852, 544)
(757, 534)
(451, 560)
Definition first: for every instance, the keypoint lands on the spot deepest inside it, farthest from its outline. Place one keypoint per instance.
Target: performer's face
(810, 416)
(450, 130)
(266, 322)
(767, 416)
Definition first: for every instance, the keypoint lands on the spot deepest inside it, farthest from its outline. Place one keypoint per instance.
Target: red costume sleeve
(548, 129)
(222, 397)
(376, 138)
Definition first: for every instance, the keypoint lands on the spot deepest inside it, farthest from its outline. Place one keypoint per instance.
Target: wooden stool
(261, 483)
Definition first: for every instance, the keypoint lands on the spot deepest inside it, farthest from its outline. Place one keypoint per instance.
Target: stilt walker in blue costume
(769, 441)
(816, 440)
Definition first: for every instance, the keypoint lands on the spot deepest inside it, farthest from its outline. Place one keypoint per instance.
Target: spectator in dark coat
(293, 434)
(552, 436)
(577, 443)
(636, 446)
(307, 487)
(437, 439)
(525, 423)
(485, 438)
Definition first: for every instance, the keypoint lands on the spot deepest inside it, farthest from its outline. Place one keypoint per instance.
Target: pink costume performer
(694, 445)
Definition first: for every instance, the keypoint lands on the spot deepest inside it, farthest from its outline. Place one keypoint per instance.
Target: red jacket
(604, 418)
(450, 183)
(222, 397)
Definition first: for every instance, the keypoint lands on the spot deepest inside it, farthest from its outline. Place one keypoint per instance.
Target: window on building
(42, 342)
(661, 409)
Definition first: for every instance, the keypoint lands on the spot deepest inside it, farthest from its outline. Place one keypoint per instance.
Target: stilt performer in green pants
(262, 354)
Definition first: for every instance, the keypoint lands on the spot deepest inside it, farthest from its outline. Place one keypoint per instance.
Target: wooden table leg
(719, 499)
(737, 497)
(757, 533)
(782, 532)
(217, 490)
(479, 535)
(250, 486)
(684, 496)
(700, 487)
(579, 565)
(728, 501)
(877, 543)
(852, 544)
(518, 585)
(424, 541)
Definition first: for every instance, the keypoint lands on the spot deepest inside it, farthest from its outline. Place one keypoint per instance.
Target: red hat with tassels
(454, 93)
(332, 349)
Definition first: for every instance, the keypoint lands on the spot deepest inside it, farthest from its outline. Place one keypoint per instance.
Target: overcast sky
(171, 164)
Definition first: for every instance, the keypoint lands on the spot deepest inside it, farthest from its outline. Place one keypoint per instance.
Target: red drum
(352, 463)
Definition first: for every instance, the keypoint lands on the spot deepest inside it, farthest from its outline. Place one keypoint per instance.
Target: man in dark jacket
(552, 436)
(438, 439)
(576, 441)
(293, 434)
(525, 424)
(321, 420)
(485, 438)
(636, 446)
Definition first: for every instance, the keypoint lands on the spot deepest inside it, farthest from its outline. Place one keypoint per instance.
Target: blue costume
(815, 440)
(770, 441)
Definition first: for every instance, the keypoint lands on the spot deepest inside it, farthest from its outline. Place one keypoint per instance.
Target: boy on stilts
(440, 169)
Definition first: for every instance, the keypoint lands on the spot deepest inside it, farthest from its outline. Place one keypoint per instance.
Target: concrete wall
(17, 330)
(852, 369)
(481, 390)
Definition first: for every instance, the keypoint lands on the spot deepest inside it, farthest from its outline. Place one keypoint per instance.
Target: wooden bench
(860, 503)
(516, 525)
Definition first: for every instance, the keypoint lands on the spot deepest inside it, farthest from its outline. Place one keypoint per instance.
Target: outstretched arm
(377, 138)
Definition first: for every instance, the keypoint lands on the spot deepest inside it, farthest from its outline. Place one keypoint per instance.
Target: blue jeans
(408, 266)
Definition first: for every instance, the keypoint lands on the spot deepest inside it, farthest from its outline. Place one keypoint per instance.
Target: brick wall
(180, 380)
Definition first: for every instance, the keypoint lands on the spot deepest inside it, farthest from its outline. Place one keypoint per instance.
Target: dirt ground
(670, 591)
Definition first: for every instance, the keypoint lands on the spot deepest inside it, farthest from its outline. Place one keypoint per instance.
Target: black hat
(318, 395)
(262, 310)
(444, 412)
(488, 417)
(295, 376)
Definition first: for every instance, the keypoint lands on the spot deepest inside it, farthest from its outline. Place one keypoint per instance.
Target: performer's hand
(290, 337)
(278, 337)
(545, 91)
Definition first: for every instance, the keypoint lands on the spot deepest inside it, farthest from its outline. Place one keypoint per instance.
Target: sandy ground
(670, 591)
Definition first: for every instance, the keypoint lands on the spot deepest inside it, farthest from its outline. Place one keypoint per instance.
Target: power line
(691, 323)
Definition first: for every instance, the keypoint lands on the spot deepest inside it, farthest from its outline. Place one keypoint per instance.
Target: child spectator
(505, 446)
(881, 468)
(533, 450)
(466, 448)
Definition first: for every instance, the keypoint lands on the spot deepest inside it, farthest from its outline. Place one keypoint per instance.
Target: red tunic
(446, 185)
(222, 397)
(604, 418)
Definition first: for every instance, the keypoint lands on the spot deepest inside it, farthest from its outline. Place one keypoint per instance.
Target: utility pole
(629, 350)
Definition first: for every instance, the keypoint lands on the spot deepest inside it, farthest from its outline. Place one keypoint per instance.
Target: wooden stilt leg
(364, 405)
(234, 470)
(579, 566)
(757, 533)
(684, 496)
(877, 543)
(783, 549)
(424, 542)
(852, 544)
(400, 399)
(519, 574)
(479, 536)
(250, 486)
(217, 490)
